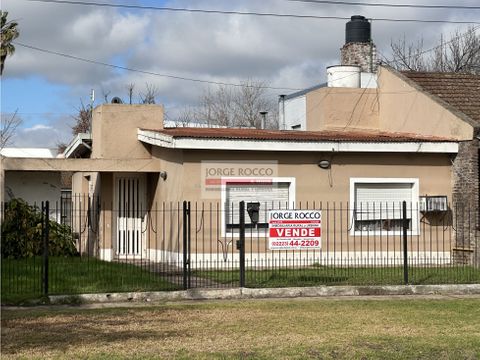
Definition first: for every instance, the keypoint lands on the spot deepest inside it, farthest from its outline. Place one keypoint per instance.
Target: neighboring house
(34, 187)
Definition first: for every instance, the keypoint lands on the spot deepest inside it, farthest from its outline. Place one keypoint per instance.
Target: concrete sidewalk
(291, 292)
(330, 292)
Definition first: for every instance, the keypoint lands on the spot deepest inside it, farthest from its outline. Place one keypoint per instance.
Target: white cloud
(37, 128)
(54, 130)
(284, 52)
(91, 33)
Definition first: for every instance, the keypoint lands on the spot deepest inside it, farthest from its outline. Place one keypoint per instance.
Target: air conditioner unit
(433, 203)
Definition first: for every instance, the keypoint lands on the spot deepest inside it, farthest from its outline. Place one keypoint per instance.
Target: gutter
(188, 143)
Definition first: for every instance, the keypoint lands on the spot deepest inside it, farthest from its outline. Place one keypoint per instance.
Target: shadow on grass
(77, 331)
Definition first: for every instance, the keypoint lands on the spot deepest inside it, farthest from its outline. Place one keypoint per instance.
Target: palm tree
(9, 33)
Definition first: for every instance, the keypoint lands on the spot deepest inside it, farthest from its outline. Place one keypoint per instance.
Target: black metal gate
(187, 250)
(238, 272)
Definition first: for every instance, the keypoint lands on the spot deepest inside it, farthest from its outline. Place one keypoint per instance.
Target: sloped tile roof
(284, 135)
(461, 91)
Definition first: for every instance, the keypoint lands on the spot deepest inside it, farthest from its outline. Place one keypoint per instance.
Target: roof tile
(284, 135)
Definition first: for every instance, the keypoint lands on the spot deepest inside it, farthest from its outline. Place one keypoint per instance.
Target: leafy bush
(22, 233)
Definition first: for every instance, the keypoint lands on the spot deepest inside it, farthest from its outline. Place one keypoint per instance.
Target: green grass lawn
(255, 329)
(318, 275)
(21, 279)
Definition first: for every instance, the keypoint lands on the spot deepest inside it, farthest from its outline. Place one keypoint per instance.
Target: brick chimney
(359, 48)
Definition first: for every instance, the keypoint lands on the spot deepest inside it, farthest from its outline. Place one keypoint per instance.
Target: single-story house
(148, 171)
(356, 148)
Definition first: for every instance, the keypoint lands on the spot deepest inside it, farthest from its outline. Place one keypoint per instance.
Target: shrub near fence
(185, 245)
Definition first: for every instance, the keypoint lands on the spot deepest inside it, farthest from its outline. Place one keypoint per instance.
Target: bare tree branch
(61, 147)
(237, 107)
(105, 95)
(150, 94)
(83, 120)
(461, 54)
(8, 129)
(407, 56)
(186, 118)
(130, 88)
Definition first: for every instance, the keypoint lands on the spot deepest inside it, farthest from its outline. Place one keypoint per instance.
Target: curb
(249, 293)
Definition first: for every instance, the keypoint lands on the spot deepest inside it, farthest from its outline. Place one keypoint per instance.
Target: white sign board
(295, 229)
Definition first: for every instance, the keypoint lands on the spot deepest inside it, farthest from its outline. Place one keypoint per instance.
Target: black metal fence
(106, 247)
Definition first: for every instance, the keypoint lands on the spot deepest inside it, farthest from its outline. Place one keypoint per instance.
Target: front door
(130, 200)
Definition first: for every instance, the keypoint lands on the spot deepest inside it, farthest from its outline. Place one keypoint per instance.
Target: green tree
(9, 32)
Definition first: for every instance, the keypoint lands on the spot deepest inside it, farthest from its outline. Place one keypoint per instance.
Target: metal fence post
(185, 245)
(405, 255)
(46, 236)
(241, 243)
(189, 246)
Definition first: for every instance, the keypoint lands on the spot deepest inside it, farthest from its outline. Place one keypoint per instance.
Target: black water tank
(357, 30)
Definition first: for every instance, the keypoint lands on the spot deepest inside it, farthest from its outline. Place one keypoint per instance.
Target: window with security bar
(377, 205)
(267, 194)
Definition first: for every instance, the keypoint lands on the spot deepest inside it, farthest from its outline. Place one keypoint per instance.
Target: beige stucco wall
(403, 108)
(312, 182)
(315, 187)
(395, 106)
(106, 221)
(171, 161)
(338, 108)
(114, 130)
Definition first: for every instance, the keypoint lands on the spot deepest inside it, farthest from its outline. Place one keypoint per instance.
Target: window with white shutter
(376, 204)
(276, 193)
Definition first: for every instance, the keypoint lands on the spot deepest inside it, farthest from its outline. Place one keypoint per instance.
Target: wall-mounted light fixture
(324, 164)
(163, 175)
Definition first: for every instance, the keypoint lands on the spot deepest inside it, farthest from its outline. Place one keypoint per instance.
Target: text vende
(295, 232)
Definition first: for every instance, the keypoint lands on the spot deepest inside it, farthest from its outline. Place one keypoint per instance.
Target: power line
(468, 32)
(472, 30)
(249, 13)
(417, 6)
(73, 57)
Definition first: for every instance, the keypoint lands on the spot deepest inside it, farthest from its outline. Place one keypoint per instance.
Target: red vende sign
(294, 229)
(295, 232)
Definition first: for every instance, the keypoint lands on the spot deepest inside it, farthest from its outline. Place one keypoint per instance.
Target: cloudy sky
(289, 53)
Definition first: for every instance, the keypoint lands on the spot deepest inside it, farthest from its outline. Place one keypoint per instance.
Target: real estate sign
(294, 229)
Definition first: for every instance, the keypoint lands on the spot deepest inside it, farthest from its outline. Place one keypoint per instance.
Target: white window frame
(414, 200)
(226, 180)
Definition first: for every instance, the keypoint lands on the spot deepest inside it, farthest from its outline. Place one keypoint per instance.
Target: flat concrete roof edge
(261, 293)
(90, 165)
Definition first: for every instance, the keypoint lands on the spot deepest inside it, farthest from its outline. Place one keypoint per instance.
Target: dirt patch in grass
(307, 329)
